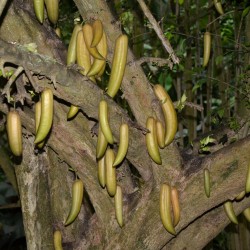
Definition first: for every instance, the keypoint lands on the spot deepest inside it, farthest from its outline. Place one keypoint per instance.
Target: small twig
(194, 106)
(13, 205)
(32, 81)
(6, 89)
(159, 61)
(2, 5)
(219, 17)
(166, 44)
(139, 127)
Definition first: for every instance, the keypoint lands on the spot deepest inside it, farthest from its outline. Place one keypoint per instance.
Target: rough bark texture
(44, 179)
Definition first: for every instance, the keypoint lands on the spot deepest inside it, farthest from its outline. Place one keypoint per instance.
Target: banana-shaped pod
(118, 65)
(46, 120)
(101, 171)
(229, 210)
(58, 240)
(175, 205)
(151, 141)
(38, 111)
(165, 208)
(119, 206)
(14, 131)
(207, 182)
(52, 7)
(39, 9)
(77, 197)
(168, 112)
(97, 32)
(207, 48)
(123, 146)
(218, 7)
(104, 121)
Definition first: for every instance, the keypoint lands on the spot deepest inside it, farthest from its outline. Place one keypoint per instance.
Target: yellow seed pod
(14, 131)
(169, 113)
(52, 7)
(175, 205)
(207, 48)
(165, 208)
(160, 134)
(229, 210)
(39, 9)
(97, 32)
(46, 120)
(110, 172)
(218, 7)
(119, 206)
(77, 196)
(101, 171)
(58, 240)
(151, 141)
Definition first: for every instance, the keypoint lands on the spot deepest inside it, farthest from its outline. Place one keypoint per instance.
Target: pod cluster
(52, 7)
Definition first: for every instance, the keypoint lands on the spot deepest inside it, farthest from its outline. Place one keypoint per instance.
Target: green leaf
(245, 11)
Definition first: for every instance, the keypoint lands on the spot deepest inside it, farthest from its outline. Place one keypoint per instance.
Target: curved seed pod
(118, 65)
(246, 213)
(168, 112)
(151, 141)
(104, 122)
(160, 134)
(102, 70)
(88, 37)
(248, 180)
(97, 32)
(58, 240)
(218, 7)
(58, 32)
(110, 172)
(46, 115)
(52, 7)
(102, 144)
(77, 196)
(71, 54)
(165, 208)
(39, 9)
(101, 171)
(240, 196)
(98, 65)
(175, 205)
(14, 131)
(229, 210)
(123, 146)
(38, 111)
(82, 53)
(119, 206)
(207, 182)
(72, 112)
(207, 48)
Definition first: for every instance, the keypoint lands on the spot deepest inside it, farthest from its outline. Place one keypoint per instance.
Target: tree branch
(166, 44)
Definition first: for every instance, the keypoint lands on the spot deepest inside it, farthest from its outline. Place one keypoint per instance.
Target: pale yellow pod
(123, 146)
(98, 65)
(160, 134)
(52, 7)
(101, 171)
(14, 131)
(82, 53)
(102, 144)
(119, 206)
(39, 9)
(118, 65)
(169, 113)
(165, 208)
(207, 182)
(246, 213)
(218, 7)
(58, 32)
(110, 172)
(248, 180)
(175, 205)
(88, 37)
(100, 73)
(151, 141)
(229, 210)
(97, 32)
(73, 110)
(77, 197)
(58, 240)
(104, 121)
(240, 196)
(71, 54)
(46, 120)
(38, 111)
(207, 48)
